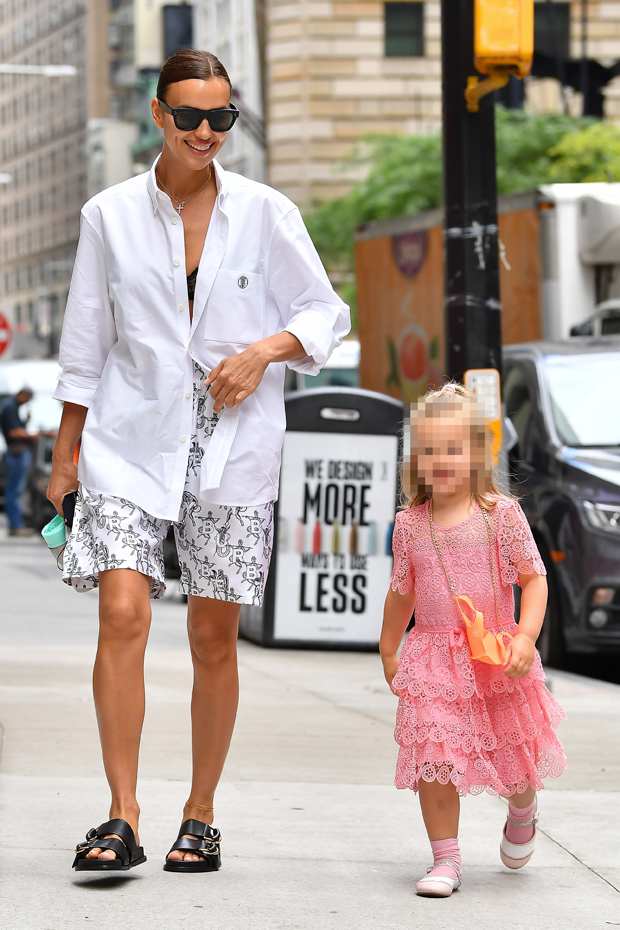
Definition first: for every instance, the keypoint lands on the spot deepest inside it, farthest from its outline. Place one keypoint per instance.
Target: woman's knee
(124, 620)
(124, 605)
(213, 643)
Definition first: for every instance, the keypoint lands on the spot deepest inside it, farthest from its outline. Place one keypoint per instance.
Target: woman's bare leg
(441, 807)
(212, 627)
(118, 686)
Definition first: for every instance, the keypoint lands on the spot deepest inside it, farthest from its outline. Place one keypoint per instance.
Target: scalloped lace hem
(477, 775)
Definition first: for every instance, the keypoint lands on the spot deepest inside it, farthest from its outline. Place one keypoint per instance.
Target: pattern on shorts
(224, 552)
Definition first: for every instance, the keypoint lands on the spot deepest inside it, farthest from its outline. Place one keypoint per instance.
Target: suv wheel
(550, 643)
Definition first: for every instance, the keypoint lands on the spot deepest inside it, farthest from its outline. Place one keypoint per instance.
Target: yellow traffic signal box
(504, 36)
(503, 45)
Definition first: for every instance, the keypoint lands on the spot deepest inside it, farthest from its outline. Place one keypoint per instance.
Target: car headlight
(603, 516)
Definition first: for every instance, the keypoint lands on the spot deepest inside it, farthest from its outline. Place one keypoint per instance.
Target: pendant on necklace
(180, 207)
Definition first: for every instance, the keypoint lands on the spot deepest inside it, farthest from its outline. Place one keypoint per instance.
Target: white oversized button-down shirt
(128, 346)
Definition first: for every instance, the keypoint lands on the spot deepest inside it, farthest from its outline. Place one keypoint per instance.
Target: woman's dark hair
(189, 64)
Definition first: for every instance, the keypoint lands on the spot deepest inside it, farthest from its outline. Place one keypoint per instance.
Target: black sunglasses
(188, 118)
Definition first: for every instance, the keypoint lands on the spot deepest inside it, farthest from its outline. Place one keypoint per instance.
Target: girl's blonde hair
(454, 399)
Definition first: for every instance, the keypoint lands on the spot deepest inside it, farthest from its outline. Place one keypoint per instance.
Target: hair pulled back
(190, 64)
(452, 399)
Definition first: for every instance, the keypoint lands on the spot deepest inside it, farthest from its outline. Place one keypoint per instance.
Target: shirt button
(160, 195)
(181, 306)
(182, 438)
(188, 393)
(176, 263)
(175, 221)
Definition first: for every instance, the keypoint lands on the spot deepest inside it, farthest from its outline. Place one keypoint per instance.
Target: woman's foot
(110, 846)
(204, 814)
(440, 881)
(129, 816)
(196, 849)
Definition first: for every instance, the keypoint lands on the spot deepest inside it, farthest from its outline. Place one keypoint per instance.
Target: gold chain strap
(448, 579)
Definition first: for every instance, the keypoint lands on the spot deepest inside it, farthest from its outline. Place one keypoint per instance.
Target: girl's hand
(390, 667)
(520, 653)
(63, 480)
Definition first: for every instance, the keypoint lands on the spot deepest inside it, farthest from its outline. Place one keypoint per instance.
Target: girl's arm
(396, 615)
(521, 650)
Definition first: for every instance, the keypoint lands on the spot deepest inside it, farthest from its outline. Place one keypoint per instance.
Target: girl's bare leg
(118, 686)
(525, 799)
(212, 628)
(440, 808)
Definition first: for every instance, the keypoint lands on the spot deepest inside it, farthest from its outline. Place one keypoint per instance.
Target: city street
(314, 833)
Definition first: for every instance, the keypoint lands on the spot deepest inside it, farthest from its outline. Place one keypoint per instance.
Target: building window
(552, 29)
(178, 28)
(404, 30)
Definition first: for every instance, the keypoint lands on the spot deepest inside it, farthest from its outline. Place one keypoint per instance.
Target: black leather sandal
(206, 844)
(127, 853)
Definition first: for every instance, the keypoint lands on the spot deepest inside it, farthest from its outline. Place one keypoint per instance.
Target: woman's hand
(235, 378)
(520, 653)
(63, 481)
(390, 667)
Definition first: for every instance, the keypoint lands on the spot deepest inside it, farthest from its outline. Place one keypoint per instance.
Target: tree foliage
(593, 154)
(404, 172)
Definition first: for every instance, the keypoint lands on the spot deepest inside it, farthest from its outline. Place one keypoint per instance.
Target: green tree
(592, 154)
(404, 174)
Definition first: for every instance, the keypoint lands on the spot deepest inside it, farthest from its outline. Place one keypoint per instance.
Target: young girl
(465, 726)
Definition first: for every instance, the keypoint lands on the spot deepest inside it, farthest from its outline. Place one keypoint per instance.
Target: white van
(342, 369)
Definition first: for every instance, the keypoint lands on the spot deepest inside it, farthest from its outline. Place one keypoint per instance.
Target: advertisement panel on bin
(337, 499)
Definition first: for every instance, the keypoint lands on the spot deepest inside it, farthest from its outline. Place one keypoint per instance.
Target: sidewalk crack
(580, 861)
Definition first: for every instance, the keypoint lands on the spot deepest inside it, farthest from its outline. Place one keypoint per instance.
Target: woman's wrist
(62, 456)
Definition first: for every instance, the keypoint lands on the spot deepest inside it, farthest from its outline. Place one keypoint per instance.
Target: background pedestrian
(18, 458)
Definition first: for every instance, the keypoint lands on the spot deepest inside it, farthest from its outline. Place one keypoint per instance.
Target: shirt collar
(221, 181)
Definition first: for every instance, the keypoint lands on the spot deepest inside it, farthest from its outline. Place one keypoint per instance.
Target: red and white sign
(5, 334)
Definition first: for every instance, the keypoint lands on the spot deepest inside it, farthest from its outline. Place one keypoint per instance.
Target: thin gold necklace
(181, 203)
(194, 216)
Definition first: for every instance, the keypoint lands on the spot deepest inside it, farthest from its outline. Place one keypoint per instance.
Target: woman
(192, 287)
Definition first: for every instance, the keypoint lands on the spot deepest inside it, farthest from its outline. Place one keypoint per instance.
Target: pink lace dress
(459, 720)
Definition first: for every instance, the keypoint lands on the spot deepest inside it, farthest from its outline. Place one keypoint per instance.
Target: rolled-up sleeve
(88, 331)
(310, 308)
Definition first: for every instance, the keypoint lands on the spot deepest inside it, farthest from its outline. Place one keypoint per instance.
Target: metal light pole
(583, 65)
(471, 301)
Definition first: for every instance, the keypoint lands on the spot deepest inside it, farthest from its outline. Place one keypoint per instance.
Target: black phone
(68, 508)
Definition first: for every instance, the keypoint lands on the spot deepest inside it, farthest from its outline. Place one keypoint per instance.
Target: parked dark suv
(563, 400)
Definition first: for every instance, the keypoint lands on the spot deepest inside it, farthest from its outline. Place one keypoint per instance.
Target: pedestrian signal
(503, 45)
(504, 36)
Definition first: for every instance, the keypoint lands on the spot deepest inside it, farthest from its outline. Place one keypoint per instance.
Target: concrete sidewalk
(315, 835)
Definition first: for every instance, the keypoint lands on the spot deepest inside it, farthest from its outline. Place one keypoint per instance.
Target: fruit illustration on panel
(412, 355)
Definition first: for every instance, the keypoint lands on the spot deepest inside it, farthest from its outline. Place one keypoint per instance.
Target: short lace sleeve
(403, 576)
(518, 552)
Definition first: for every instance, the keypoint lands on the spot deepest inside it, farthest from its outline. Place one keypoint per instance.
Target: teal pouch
(55, 535)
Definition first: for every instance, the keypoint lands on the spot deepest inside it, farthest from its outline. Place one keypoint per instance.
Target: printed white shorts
(224, 552)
